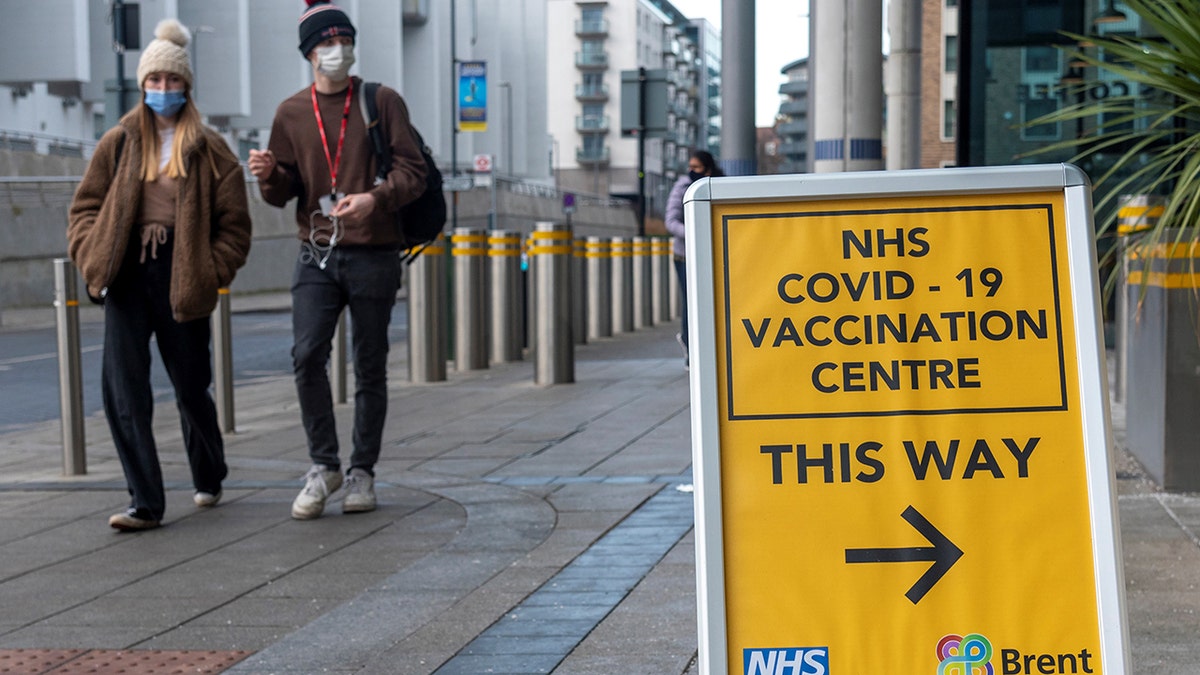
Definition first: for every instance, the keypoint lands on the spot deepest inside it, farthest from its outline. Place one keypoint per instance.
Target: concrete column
(847, 85)
(904, 85)
(738, 149)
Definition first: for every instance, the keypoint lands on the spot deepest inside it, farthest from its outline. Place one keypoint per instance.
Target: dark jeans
(366, 281)
(681, 272)
(136, 307)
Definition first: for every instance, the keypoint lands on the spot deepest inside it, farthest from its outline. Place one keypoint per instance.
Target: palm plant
(1153, 131)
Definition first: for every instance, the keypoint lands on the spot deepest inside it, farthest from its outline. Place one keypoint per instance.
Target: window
(1034, 108)
(1041, 60)
(951, 53)
(591, 14)
(952, 3)
(949, 116)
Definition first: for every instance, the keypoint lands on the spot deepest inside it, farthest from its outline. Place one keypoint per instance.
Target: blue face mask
(165, 103)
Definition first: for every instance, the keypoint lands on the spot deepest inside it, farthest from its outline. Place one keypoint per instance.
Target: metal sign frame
(1094, 416)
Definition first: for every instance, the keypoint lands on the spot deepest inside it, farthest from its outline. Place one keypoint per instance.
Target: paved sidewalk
(522, 529)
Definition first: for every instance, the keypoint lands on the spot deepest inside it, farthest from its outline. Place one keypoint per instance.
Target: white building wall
(249, 62)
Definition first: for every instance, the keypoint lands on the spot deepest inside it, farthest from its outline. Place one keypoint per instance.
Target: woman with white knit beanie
(159, 223)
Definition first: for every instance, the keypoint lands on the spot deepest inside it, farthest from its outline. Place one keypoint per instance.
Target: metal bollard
(599, 288)
(675, 291)
(622, 285)
(660, 264)
(1135, 215)
(427, 314)
(551, 252)
(70, 374)
(643, 316)
(508, 312)
(337, 360)
(579, 294)
(222, 346)
(469, 250)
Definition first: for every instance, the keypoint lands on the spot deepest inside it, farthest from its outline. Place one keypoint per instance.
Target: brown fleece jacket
(302, 170)
(212, 224)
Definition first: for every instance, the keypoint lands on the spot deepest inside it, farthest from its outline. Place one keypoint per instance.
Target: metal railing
(46, 144)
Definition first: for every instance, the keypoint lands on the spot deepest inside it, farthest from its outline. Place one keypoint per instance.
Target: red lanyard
(333, 162)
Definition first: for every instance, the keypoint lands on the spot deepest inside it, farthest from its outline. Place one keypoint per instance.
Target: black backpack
(421, 220)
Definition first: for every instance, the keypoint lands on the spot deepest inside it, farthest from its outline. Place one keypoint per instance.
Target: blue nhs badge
(786, 661)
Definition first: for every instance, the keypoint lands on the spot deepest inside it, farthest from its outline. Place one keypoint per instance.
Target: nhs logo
(786, 661)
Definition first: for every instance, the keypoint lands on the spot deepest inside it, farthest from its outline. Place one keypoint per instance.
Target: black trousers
(137, 307)
(366, 281)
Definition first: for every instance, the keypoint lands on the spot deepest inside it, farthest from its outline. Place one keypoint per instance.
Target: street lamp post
(509, 164)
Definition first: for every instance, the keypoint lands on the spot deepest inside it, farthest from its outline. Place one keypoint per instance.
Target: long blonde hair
(188, 128)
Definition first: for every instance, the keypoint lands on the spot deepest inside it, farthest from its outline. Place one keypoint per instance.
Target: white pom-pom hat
(167, 53)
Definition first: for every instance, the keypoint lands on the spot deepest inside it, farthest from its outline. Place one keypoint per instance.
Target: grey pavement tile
(522, 664)
(287, 613)
(33, 597)
(558, 612)
(534, 628)
(615, 571)
(311, 585)
(496, 645)
(101, 636)
(462, 466)
(457, 572)
(601, 496)
(220, 638)
(591, 584)
(565, 597)
(19, 505)
(159, 613)
(504, 448)
(599, 558)
(216, 585)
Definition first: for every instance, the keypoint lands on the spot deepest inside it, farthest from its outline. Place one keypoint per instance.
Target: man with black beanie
(319, 152)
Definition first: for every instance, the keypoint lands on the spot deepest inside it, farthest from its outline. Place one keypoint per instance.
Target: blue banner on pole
(472, 96)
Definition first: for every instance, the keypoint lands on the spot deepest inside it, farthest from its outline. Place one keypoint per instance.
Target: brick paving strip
(112, 661)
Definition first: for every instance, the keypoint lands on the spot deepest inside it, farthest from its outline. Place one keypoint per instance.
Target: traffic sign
(900, 426)
(483, 163)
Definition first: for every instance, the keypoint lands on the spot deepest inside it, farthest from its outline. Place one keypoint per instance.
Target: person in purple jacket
(700, 164)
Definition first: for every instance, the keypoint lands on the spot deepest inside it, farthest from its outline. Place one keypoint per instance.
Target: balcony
(794, 87)
(794, 107)
(591, 60)
(591, 28)
(591, 92)
(796, 127)
(591, 155)
(591, 124)
(793, 149)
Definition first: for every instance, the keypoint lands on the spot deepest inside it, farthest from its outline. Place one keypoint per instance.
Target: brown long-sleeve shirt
(302, 170)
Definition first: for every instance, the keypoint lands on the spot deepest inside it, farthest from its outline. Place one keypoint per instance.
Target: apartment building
(591, 43)
(792, 120)
(939, 82)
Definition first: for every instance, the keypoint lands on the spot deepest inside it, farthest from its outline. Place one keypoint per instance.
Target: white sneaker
(319, 483)
(206, 499)
(360, 492)
(132, 521)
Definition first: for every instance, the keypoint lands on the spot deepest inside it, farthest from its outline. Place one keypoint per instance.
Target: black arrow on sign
(943, 554)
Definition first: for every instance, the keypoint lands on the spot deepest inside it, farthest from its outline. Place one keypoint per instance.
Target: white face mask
(334, 61)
